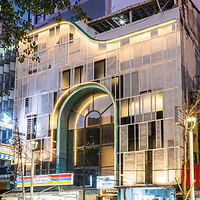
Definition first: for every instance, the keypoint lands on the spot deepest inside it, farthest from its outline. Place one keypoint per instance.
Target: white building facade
(105, 108)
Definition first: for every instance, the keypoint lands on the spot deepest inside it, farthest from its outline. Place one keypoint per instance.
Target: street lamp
(34, 145)
(191, 124)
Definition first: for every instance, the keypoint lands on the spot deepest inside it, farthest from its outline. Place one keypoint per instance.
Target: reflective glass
(80, 137)
(91, 157)
(93, 118)
(108, 133)
(92, 136)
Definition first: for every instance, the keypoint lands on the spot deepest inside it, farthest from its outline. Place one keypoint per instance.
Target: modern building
(7, 80)
(94, 9)
(102, 110)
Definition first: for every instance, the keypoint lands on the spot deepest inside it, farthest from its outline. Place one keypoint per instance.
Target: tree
(190, 109)
(15, 18)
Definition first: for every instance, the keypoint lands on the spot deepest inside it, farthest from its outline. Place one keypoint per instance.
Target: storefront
(148, 193)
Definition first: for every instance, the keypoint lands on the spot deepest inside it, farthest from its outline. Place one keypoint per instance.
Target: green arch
(70, 100)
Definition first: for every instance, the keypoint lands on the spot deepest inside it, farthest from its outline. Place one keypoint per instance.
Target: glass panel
(108, 134)
(129, 169)
(135, 83)
(125, 118)
(111, 65)
(159, 160)
(143, 136)
(152, 135)
(92, 136)
(79, 137)
(107, 156)
(171, 45)
(171, 158)
(115, 87)
(140, 167)
(147, 103)
(146, 52)
(159, 101)
(80, 120)
(101, 101)
(80, 158)
(156, 49)
(42, 126)
(108, 116)
(99, 69)
(168, 101)
(124, 139)
(90, 72)
(158, 134)
(93, 118)
(169, 132)
(92, 157)
(78, 77)
(127, 85)
(148, 167)
(65, 78)
(131, 142)
(31, 86)
(157, 77)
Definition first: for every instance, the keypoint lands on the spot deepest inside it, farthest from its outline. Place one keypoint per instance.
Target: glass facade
(141, 72)
(91, 137)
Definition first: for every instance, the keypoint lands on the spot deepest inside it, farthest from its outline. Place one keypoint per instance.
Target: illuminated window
(66, 78)
(78, 75)
(99, 69)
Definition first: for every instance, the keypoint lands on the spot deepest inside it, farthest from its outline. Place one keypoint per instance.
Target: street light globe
(191, 122)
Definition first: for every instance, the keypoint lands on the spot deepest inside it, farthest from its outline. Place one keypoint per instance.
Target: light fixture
(191, 122)
(122, 22)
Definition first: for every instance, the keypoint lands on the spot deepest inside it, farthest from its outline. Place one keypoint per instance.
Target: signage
(6, 157)
(5, 125)
(6, 149)
(46, 180)
(105, 182)
(6, 117)
(6, 152)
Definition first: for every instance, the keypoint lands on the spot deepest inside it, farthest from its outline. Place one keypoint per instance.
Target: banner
(6, 152)
(6, 149)
(46, 180)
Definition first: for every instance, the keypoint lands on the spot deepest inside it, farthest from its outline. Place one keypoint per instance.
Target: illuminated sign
(6, 157)
(6, 117)
(105, 182)
(6, 152)
(46, 180)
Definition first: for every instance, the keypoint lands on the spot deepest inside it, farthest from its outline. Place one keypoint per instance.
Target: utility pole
(192, 121)
(34, 144)
(32, 173)
(19, 149)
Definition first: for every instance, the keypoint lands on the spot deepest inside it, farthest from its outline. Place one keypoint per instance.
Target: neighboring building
(93, 8)
(103, 110)
(7, 80)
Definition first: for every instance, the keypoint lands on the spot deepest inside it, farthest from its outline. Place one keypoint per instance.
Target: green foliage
(5, 93)
(16, 22)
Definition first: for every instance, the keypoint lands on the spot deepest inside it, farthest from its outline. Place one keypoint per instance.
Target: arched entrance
(87, 133)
